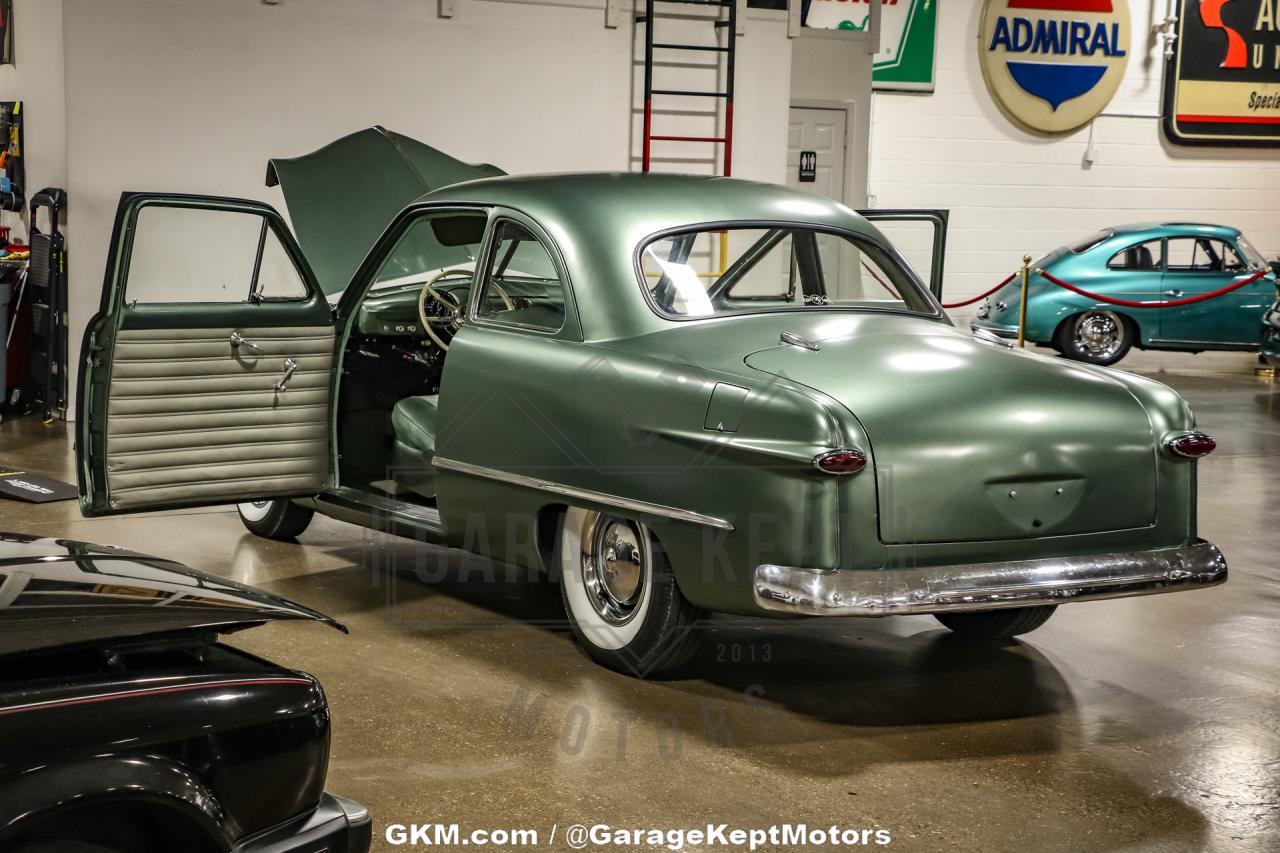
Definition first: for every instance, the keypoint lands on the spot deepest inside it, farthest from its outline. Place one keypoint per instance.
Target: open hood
(342, 197)
(58, 592)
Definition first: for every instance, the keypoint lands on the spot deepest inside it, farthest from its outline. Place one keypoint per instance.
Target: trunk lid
(973, 441)
(58, 592)
(343, 196)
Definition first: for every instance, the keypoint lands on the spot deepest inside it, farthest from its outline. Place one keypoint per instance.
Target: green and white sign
(907, 38)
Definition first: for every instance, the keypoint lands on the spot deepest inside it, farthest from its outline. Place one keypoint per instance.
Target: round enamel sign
(1052, 65)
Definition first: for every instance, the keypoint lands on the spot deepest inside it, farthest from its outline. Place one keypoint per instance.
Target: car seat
(414, 422)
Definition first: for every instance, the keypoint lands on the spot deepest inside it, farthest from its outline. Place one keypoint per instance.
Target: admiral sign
(1222, 85)
(1052, 65)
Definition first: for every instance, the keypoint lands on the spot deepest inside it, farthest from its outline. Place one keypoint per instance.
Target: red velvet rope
(981, 296)
(1127, 303)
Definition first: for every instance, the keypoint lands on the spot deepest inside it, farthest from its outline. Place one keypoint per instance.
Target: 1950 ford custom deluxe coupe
(675, 394)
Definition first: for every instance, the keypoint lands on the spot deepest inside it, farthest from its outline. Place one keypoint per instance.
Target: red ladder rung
(689, 138)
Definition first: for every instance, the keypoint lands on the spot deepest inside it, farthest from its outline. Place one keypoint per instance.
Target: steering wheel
(442, 323)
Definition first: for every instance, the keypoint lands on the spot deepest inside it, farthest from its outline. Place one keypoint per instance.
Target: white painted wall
(37, 81)
(1011, 192)
(196, 95)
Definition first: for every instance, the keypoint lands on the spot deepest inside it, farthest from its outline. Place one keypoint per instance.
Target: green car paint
(707, 428)
(392, 171)
(1229, 322)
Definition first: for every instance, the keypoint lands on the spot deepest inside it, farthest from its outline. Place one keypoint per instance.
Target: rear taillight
(1191, 445)
(847, 460)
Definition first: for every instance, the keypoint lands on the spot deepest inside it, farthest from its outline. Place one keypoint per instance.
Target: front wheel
(997, 624)
(1095, 337)
(275, 519)
(620, 595)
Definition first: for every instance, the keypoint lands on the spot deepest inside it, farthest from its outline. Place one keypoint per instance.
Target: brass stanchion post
(1022, 308)
(1268, 372)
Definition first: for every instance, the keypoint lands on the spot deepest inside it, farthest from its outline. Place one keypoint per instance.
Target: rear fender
(1049, 313)
(44, 792)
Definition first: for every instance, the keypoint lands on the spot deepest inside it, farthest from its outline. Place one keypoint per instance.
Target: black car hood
(59, 592)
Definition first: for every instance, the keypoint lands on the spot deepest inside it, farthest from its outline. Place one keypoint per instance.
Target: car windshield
(1252, 255)
(716, 271)
(431, 244)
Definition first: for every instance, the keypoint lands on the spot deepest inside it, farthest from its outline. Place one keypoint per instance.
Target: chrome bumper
(986, 586)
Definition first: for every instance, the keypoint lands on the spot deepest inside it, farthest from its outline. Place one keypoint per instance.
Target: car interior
(1200, 254)
(1180, 254)
(394, 359)
(1139, 257)
(711, 272)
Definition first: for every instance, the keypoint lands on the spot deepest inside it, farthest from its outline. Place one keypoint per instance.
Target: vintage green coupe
(674, 394)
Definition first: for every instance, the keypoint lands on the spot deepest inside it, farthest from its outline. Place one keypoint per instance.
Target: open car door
(921, 237)
(205, 377)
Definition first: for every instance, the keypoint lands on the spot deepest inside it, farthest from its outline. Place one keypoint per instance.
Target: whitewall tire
(275, 519)
(620, 595)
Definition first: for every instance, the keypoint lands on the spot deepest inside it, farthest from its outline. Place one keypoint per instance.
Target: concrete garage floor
(1142, 724)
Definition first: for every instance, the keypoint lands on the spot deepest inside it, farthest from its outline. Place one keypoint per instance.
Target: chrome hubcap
(613, 567)
(1099, 334)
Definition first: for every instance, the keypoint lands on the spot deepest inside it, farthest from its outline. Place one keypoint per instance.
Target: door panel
(201, 387)
(203, 435)
(1235, 318)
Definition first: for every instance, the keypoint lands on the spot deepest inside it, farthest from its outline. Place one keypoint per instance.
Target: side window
(1232, 260)
(521, 284)
(277, 276)
(185, 254)
(1199, 254)
(1144, 256)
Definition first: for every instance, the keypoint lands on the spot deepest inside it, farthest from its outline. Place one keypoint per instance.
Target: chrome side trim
(581, 494)
(986, 586)
(368, 501)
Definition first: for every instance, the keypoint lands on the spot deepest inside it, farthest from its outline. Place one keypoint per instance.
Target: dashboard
(393, 311)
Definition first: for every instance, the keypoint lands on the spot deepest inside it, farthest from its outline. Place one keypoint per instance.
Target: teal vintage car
(1150, 262)
(675, 395)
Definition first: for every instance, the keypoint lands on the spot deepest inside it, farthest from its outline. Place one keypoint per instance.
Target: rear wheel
(621, 598)
(997, 624)
(275, 519)
(1095, 337)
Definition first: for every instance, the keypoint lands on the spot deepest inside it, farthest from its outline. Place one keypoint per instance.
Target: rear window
(716, 271)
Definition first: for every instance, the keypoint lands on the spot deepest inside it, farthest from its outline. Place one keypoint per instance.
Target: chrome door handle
(290, 365)
(238, 340)
(1174, 293)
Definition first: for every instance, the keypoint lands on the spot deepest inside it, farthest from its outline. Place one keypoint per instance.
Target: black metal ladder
(729, 49)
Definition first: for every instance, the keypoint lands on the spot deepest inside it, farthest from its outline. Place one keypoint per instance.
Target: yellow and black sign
(1222, 86)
